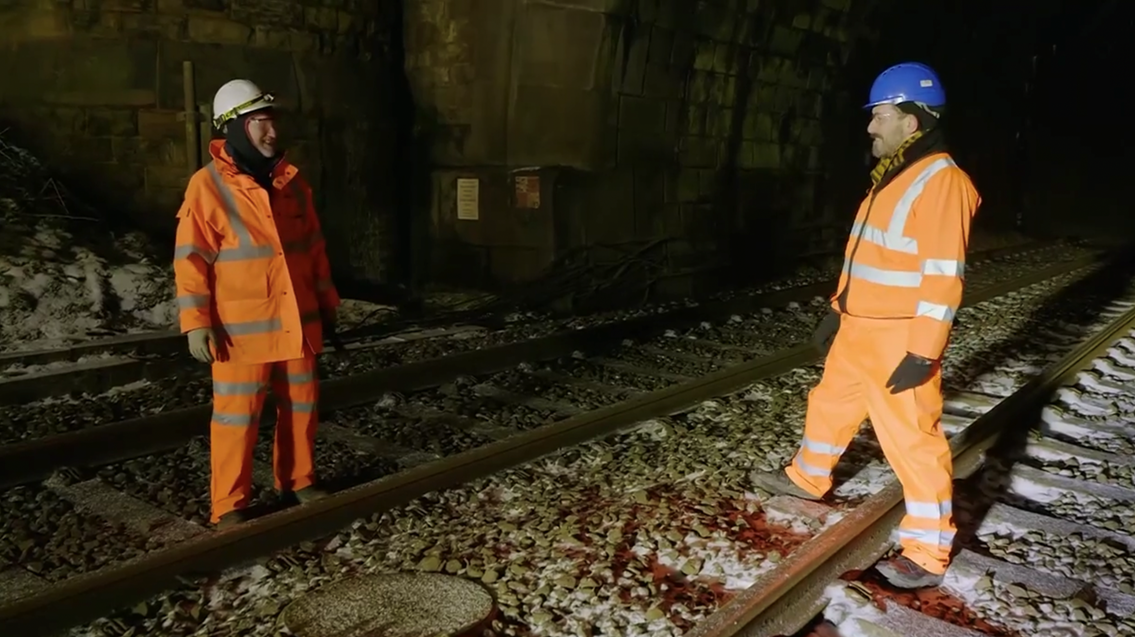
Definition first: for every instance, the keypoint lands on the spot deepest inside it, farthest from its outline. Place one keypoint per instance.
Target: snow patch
(868, 481)
(65, 275)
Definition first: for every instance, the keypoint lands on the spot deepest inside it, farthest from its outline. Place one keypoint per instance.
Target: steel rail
(784, 600)
(161, 354)
(33, 460)
(89, 596)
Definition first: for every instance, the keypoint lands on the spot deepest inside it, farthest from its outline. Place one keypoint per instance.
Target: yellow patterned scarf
(894, 161)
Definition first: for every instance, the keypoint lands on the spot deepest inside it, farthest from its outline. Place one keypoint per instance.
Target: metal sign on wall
(527, 191)
(468, 199)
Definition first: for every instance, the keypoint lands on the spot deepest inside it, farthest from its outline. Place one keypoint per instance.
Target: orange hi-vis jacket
(251, 264)
(905, 258)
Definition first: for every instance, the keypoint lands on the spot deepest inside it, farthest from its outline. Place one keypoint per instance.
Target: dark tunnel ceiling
(1036, 59)
(964, 31)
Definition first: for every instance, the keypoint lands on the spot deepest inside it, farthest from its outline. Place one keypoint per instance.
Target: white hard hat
(236, 98)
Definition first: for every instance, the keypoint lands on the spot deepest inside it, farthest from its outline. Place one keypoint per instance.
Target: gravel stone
(45, 534)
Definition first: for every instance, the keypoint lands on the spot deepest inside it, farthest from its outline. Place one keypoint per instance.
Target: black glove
(825, 332)
(331, 329)
(911, 372)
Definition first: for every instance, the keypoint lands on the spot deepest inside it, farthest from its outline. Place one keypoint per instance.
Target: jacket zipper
(841, 296)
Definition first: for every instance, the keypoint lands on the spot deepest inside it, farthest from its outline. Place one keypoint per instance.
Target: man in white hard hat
(254, 291)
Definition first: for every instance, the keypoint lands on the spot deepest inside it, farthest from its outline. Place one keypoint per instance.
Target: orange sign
(527, 191)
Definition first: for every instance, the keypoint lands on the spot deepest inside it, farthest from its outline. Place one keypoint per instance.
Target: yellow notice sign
(468, 199)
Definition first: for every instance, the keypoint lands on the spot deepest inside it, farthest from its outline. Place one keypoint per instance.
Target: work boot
(305, 495)
(231, 519)
(778, 483)
(901, 572)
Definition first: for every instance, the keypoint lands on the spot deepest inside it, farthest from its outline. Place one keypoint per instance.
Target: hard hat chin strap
(264, 100)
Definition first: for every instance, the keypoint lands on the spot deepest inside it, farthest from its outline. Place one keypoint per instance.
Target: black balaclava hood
(927, 121)
(247, 159)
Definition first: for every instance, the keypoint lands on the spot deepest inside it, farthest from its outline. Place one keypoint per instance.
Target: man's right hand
(202, 342)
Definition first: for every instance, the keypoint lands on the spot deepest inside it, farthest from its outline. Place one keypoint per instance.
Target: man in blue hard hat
(890, 321)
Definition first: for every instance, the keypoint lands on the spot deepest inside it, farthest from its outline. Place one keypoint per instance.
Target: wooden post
(206, 135)
(192, 142)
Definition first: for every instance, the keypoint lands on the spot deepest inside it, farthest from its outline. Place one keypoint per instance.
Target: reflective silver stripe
(928, 536)
(299, 246)
(243, 237)
(811, 470)
(874, 235)
(935, 311)
(944, 267)
(253, 327)
(895, 278)
(305, 244)
(301, 377)
(893, 238)
(244, 249)
(192, 301)
(296, 378)
(221, 388)
(302, 408)
(914, 191)
(822, 447)
(929, 510)
(245, 253)
(184, 252)
(235, 420)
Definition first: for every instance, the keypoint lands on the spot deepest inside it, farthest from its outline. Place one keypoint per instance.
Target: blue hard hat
(907, 82)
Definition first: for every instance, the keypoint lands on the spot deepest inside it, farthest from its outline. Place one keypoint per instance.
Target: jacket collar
(282, 174)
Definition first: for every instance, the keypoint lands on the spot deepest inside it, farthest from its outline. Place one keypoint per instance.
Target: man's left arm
(324, 287)
(942, 223)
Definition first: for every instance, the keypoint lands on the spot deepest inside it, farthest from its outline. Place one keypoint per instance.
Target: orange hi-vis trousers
(908, 426)
(238, 398)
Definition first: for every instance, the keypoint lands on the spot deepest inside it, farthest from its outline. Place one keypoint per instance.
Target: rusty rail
(153, 355)
(784, 600)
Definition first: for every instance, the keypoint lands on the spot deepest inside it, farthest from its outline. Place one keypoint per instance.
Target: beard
(878, 148)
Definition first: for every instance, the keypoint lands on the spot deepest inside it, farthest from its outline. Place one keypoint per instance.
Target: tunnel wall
(1021, 82)
(95, 88)
(686, 134)
(984, 57)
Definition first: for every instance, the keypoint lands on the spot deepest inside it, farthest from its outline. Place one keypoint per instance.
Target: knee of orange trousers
(926, 546)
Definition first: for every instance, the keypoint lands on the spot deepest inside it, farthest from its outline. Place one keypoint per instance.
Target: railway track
(1045, 510)
(163, 415)
(175, 545)
(101, 365)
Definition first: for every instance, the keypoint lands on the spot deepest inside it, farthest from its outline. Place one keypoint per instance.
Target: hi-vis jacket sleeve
(942, 219)
(324, 286)
(197, 247)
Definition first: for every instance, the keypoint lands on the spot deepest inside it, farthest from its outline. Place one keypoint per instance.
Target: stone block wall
(696, 126)
(95, 88)
(720, 110)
